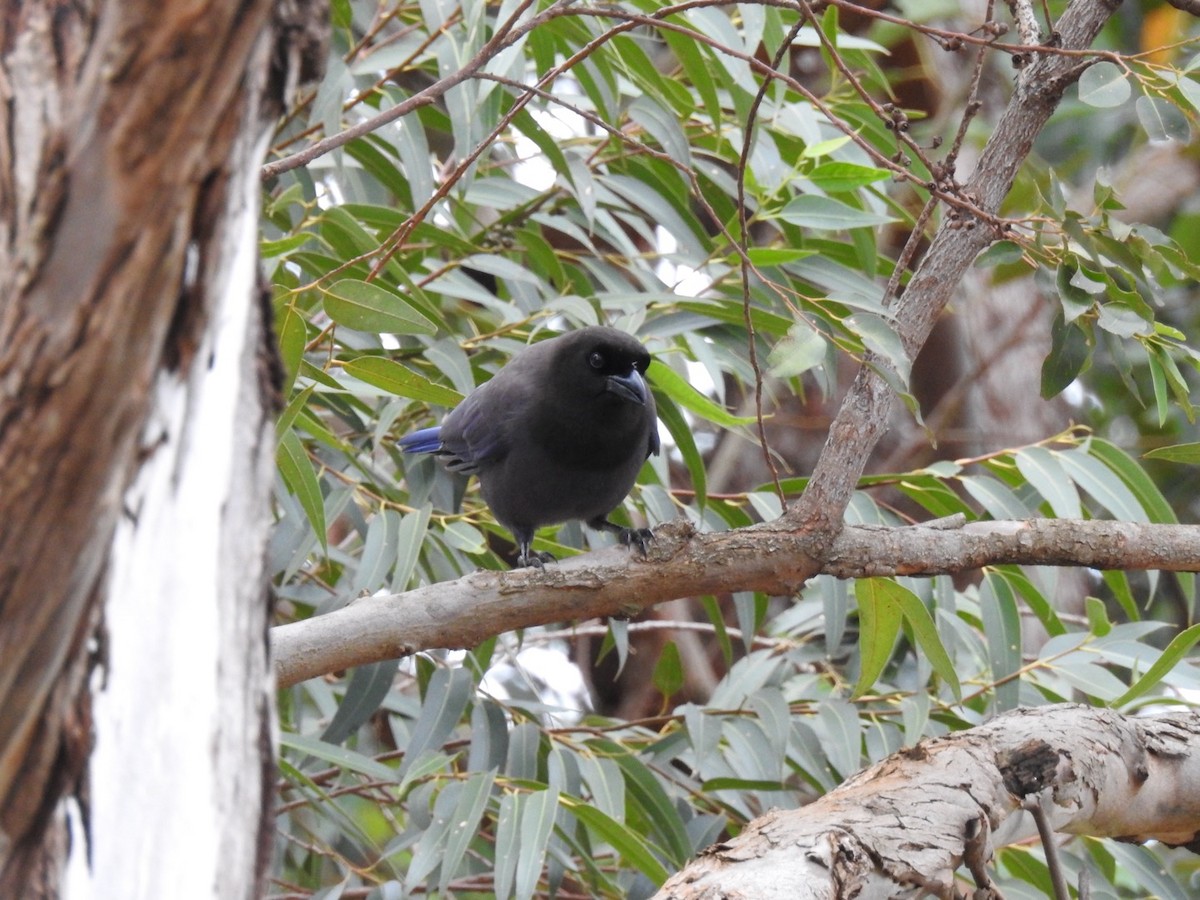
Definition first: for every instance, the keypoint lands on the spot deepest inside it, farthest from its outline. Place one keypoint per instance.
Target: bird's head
(612, 363)
(593, 404)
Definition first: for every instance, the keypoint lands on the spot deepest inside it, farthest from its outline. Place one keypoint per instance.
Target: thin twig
(743, 243)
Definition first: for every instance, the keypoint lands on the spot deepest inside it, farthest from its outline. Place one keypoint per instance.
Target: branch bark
(902, 827)
(683, 563)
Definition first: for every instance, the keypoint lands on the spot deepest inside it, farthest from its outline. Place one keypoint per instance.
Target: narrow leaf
(630, 845)
(926, 634)
(674, 386)
(301, 479)
(537, 822)
(400, 380)
(826, 214)
(1167, 660)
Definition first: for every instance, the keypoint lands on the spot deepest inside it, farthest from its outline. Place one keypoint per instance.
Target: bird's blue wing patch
(427, 440)
(466, 439)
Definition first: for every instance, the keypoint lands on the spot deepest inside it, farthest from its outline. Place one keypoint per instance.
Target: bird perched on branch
(558, 434)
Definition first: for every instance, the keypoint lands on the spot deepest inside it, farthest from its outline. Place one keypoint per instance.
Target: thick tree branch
(904, 826)
(683, 563)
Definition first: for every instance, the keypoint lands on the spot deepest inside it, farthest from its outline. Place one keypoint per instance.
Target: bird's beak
(630, 387)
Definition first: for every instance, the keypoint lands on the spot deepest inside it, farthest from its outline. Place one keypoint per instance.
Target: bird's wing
(474, 434)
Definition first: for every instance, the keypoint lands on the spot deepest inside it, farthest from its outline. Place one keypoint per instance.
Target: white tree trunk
(179, 776)
(137, 382)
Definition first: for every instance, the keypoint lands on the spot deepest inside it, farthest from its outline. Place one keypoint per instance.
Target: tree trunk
(134, 350)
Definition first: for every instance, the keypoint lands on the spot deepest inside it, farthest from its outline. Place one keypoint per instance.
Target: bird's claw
(535, 559)
(636, 537)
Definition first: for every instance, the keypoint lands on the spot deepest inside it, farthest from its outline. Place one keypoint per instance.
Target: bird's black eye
(596, 359)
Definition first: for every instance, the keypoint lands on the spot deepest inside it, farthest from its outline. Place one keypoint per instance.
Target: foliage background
(734, 183)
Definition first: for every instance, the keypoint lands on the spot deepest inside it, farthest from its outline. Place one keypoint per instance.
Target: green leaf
(1002, 626)
(1033, 597)
(840, 177)
(1102, 483)
(1162, 120)
(301, 479)
(1179, 453)
(667, 380)
(923, 629)
(630, 845)
(1103, 85)
(740, 784)
(668, 671)
(445, 700)
(1147, 492)
(681, 432)
(538, 810)
(296, 406)
(825, 214)
(293, 336)
(776, 256)
(825, 148)
(881, 338)
(368, 686)
(1097, 615)
(644, 790)
(1070, 354)
(1122, 591)
(663, 126)
(1158, 379)
(470, 808)
(398, 379)
(1045, 472)
(339, 756)
(1167, 660)
(465, 537)
(801, 350)
(879, 616)
(999, 254)
(370, 307)
(508, 843)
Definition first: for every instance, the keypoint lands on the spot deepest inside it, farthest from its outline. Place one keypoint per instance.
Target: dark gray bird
(558, 434)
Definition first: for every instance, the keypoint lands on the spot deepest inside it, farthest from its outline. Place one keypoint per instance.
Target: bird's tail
(427, 440)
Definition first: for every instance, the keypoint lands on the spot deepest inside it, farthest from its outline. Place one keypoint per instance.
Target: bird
(558, 434)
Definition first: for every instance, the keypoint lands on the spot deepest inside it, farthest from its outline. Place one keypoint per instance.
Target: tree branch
(863, 416)
(904, 826)
(683, 563)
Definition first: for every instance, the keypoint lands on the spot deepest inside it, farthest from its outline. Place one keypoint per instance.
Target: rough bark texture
(682, 564)
(123, 133)
(904, 826)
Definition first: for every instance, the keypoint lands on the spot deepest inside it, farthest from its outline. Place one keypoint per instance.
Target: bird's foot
(534, 559)
(636, 537)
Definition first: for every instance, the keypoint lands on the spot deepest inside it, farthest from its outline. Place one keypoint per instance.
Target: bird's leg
(629, 537)
(526, 556)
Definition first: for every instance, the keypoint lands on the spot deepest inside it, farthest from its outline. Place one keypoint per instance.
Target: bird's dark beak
(630, 387)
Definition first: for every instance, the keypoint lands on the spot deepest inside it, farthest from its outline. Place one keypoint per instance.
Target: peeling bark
(903, 827)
